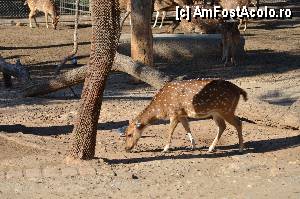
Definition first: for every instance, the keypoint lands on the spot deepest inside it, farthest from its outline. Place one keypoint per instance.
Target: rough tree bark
(75, 42)
(141, 32)
(105, 32)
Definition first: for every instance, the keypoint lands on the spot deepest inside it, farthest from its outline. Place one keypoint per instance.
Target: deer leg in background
(30, 17)
(46, 18)
(246, 21)
(235, 40)
(185, 123)
(173, 124)
(156, 19)
(240, 24)
(52, 20)
(163, 18)
(124, 18)
(225, 50)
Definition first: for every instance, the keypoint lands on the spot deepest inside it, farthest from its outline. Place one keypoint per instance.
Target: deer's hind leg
(173, 124)
(234, 121)
(185, 123)
(221, 127)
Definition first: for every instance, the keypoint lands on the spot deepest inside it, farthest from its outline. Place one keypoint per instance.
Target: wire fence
(67, 7)
(17, 9)
(13, 8)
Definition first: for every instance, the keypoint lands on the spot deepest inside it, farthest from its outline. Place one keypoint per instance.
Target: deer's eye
(130, 135)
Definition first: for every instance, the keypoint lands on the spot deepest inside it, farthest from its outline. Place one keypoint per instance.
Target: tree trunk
(105, 31)
(141, 32)
(16, 70)
(75, 76)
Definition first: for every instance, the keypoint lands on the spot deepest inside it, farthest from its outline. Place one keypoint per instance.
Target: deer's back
(41, 5)
(197, 98)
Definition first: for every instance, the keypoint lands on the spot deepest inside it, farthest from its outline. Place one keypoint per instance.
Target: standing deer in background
(228, 29)
(195, 99)
(198, 25)
(167, 5)
(46, 6)
(230, 41)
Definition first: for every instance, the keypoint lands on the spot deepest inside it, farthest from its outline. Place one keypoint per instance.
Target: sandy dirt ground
(35, 132)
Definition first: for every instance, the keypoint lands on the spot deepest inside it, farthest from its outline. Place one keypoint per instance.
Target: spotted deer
(46, 6)
(167, 5)
(198, 25)
(181, 100)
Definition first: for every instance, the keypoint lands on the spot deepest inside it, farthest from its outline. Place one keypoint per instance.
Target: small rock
(134, 177)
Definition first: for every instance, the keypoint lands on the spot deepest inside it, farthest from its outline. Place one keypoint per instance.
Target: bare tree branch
(75, 76)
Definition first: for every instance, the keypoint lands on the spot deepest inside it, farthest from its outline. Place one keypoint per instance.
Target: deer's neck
(149, 114)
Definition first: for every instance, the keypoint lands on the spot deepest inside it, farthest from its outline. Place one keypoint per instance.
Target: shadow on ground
(56, 130)
(260, 146)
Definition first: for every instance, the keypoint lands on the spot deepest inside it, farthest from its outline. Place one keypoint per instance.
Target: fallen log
(16, 70)
(75, 76)
(176, 48)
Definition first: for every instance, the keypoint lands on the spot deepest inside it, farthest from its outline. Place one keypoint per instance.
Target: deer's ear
(138, 125)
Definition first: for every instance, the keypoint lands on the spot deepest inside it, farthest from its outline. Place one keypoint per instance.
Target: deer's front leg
(185, 123)
(46, 19)
(163, 18)
(30, 16)
(173, 124)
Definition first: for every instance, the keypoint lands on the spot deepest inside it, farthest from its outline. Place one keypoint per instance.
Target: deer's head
(133, 134)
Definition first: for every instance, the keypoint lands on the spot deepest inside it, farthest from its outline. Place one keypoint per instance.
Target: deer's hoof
(165, 151)
(211, 150)
(193, 145)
